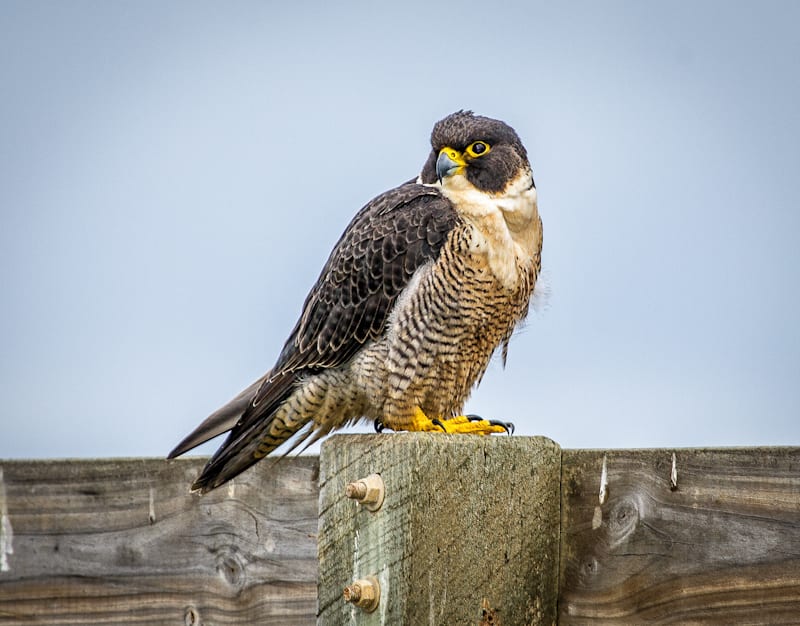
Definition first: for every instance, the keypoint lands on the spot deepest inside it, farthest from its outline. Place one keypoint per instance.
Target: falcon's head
(487, 152)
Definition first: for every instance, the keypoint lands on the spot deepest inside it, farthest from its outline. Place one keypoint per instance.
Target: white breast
(507, 226)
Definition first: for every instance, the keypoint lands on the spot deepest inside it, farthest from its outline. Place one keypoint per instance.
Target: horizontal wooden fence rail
(124, 542)
(469, 530)
(720, 545)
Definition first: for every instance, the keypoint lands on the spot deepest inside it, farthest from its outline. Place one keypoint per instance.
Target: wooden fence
(472, 530)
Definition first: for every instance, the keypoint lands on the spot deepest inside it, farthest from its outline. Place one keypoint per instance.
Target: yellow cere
(454, 155)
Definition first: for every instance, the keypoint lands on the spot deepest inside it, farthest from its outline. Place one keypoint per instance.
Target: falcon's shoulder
(386, 242)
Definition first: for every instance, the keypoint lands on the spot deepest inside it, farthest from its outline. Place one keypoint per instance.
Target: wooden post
(711, 538)
(468, 532)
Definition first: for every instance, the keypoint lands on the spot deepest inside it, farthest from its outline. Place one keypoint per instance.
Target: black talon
(378, 424)
(507, 426)
(439, 423)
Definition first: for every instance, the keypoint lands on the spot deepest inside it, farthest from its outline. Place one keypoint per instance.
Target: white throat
(507, 224)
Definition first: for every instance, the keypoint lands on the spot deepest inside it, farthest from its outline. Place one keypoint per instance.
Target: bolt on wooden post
(466, 525)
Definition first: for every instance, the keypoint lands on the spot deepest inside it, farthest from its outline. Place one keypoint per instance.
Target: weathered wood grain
(124, 542)
(723, 548)
(465, 519)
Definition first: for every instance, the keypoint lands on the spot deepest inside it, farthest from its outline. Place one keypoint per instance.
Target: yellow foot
(475, 425)
(460, 424)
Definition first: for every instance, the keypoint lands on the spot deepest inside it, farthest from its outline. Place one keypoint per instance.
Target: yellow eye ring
(478, 148)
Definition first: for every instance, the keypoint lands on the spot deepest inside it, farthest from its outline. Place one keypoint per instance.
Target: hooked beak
(449, 162)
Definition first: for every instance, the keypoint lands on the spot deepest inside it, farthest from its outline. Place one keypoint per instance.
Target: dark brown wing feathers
(384, 245)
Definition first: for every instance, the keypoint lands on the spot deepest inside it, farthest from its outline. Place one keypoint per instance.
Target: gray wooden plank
(122, 541)
(722, 548)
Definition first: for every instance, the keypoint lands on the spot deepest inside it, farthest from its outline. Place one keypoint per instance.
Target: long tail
(264, 425)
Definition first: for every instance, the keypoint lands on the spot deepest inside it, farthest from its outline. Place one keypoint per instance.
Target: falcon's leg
(418, 423)
(460, 424)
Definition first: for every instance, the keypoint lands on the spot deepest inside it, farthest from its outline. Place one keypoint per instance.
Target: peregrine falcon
(424, 284)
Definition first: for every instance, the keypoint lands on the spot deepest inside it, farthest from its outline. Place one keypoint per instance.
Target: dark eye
(477, 148)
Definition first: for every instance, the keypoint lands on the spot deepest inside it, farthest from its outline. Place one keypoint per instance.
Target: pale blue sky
(173, 176)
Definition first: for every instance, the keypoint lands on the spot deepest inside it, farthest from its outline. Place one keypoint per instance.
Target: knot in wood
(623, 520)
(231, 567)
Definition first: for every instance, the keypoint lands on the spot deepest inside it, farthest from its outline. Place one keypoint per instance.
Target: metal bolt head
(365, 593)
(369, 492)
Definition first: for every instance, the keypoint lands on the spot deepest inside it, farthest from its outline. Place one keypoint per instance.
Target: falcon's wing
(373, 261)
(387, 241)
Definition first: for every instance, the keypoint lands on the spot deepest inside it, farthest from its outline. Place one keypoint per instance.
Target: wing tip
(183, 447)
(220, 421)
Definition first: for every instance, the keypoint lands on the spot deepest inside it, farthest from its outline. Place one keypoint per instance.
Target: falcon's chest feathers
(505, 226)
